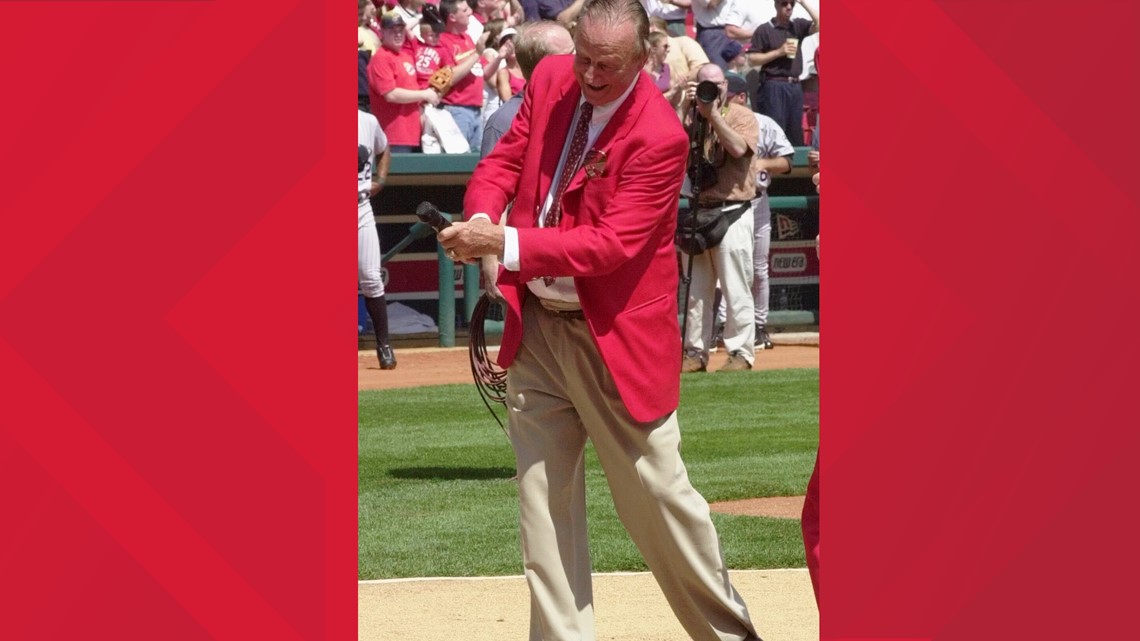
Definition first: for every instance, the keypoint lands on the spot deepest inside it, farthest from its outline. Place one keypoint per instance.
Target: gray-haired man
(534, 41)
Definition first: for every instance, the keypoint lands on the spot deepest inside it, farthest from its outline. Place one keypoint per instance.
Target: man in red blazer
(593, 164)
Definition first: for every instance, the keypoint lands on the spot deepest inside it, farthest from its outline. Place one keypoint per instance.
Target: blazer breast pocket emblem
(595, 163)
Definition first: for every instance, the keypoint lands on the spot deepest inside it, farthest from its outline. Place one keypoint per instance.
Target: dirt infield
(444, 365)
(628, 607)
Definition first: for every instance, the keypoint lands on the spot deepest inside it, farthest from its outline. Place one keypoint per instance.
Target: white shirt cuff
(511, 248)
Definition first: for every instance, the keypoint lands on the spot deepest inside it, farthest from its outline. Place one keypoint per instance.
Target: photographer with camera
(723, 135)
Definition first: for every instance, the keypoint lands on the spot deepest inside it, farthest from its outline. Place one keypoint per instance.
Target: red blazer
(616, 233)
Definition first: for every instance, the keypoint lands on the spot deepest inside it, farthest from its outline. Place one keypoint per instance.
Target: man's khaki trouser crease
(559, 393)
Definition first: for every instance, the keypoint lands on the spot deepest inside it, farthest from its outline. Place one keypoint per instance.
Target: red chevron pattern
(162, 160)
(969, 435)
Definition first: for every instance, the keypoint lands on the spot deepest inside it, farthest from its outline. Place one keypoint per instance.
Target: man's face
(461, 16)
(393, 37)
(784, 8)
(606, 60)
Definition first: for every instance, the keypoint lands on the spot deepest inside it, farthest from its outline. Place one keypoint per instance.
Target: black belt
(573, 314)
(722, 204)
(701, 27)
(782, 79)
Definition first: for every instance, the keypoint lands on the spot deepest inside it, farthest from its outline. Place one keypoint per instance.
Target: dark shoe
(691, 364)
(736, 363)
(387, 357)
(762, 339)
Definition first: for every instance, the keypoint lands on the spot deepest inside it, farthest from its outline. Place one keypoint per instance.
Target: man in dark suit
(594, 163)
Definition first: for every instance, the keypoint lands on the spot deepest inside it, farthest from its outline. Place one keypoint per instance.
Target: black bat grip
(429, 215)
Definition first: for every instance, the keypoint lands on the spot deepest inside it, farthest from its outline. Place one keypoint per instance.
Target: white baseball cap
(506, 33)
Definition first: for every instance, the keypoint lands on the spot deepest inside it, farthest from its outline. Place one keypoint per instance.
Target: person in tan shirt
(730, 140)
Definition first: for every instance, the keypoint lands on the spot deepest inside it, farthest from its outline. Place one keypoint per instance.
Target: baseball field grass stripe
(436, 496)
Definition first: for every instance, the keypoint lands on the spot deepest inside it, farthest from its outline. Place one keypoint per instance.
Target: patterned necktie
(573, 159)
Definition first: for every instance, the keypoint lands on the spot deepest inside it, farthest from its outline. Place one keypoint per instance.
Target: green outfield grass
(437, 499)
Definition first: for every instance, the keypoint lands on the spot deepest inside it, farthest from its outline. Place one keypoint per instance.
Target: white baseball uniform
(772, 144)
(371, 141)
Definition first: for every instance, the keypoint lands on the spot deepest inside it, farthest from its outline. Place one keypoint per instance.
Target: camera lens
(707, 91)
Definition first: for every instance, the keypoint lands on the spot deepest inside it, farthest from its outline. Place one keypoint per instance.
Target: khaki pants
(730, 262)
(559, 393)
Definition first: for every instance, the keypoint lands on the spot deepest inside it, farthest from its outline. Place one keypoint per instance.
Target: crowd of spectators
(434, 71)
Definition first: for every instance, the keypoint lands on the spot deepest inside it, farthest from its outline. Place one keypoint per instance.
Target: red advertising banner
(793, 263)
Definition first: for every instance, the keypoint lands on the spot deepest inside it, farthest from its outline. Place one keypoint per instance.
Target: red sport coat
(616, 233)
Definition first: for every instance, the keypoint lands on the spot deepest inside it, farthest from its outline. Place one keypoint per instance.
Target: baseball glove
(440, 80)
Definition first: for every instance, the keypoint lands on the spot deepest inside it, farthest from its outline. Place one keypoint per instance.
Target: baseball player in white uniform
(773, 155)
(372, 163)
